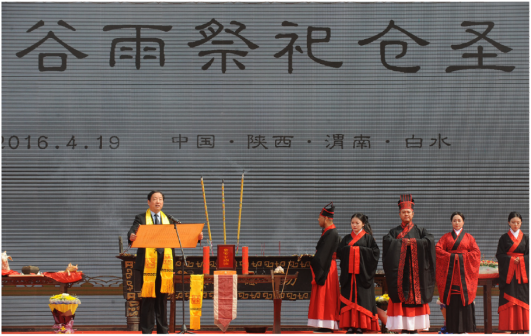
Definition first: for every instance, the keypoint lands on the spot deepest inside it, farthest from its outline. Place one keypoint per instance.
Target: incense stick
(240, 215)
(284, 285)
(223, 202)
(206, 210)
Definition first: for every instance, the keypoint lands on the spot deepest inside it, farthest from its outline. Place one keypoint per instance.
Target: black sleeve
(134, 228)
(343, 254)
(368, 261)
(323, 256)
(426, 263)
(390, 260)
(503, 258)
(427, 244)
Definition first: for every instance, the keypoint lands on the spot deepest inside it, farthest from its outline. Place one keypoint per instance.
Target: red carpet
(309, 332)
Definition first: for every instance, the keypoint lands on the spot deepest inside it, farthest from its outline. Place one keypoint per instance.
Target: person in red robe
(359, 257)
(323, 312)
(513, 264)
(458, 259)
(409, 265)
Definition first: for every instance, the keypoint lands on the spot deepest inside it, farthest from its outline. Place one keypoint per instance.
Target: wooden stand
(132, 284)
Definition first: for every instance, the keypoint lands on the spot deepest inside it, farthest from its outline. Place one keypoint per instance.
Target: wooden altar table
(30, 281)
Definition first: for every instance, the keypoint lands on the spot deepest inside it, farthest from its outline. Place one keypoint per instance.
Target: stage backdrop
(354, 103)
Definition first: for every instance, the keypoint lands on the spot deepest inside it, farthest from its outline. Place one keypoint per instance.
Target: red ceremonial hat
(328, 210)
(406, 202)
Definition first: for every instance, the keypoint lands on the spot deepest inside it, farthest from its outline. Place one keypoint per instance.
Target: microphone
(173, 219)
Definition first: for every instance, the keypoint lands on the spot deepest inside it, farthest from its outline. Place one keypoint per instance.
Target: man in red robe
(409, 265)
(323, 312)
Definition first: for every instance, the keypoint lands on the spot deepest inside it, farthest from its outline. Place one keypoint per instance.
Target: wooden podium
(165, 236)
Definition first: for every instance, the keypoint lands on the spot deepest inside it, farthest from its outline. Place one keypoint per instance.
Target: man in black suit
(152, 308)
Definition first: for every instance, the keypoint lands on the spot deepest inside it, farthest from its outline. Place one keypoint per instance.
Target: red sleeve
(472, 259)
(443, 261)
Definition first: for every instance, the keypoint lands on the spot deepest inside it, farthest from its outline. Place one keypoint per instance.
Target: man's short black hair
(154, 192)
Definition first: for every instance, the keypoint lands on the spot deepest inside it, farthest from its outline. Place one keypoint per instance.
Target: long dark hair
(365, 220)
(515, 214)
(457, 213)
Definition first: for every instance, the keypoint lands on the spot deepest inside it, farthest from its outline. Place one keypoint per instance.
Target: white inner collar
(515, 234)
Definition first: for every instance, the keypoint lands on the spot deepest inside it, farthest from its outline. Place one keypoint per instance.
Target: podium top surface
(159, 236)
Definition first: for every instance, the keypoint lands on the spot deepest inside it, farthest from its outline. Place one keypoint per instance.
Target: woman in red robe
(458, 259)
(359, 257)
(513, 263)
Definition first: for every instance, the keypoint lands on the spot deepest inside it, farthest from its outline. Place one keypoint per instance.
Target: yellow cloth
(196, 300)
(150, 265)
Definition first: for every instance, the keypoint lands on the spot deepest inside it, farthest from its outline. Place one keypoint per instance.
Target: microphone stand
(184, 330)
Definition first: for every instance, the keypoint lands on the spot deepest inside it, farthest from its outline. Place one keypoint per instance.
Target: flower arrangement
(383, 298)
(488, 267)
(64, 299)
(382, 301)
(63, 307)
(489, 263)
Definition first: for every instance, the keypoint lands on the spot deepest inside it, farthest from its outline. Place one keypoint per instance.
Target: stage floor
(289, 332)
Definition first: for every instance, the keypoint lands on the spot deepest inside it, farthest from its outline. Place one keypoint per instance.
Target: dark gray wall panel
(70, 205)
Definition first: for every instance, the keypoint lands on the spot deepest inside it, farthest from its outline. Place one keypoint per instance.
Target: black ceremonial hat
(328, 210)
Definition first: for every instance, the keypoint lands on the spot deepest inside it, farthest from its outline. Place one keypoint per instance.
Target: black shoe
(405, 332)
(323, 331)
(359, 331)
(350, 331)
(414, 332)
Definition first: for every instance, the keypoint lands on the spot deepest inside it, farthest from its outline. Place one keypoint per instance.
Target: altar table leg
(487, 307)
(276, 315)
(277, 302)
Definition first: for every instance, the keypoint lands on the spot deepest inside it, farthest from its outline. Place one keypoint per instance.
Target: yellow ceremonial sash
(150, 265)
(196, 300)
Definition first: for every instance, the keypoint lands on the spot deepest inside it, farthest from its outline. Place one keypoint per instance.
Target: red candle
(245, 260)
(206, 259)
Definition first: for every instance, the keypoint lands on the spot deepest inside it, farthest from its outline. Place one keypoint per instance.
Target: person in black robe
(359, 255)
(513, 265)
(153, 310)
(409, 265)
(323, 312)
